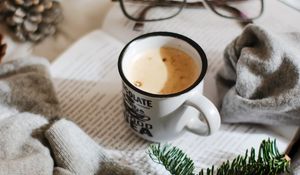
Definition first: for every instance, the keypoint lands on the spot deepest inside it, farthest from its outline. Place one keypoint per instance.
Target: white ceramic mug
(157, 117)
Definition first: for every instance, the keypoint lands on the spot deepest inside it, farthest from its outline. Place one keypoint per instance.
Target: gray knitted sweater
(261, 72)
(33, 140)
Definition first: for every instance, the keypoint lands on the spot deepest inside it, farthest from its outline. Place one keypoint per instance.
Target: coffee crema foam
(164, 70)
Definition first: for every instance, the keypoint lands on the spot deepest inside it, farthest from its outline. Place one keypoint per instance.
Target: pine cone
(31, 20)
(2, 48)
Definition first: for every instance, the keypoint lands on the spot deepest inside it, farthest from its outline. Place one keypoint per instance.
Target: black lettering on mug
(146, 131)
(134, 99)
(148, 126)
(140, 123)
(134, 126)
(134, 115)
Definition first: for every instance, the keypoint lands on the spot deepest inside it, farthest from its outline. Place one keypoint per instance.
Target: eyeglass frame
(205, 3)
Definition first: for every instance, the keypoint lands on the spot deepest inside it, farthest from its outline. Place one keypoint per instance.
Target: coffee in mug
(162, 75)
(163, 70)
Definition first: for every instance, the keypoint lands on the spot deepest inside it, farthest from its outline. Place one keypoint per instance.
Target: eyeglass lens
(151, 10)
(244, 9)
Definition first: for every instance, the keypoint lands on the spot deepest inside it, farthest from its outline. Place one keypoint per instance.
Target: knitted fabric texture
(33, 140)
(264, 70)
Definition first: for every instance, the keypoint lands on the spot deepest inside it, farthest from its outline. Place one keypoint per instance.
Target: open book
(89, 87)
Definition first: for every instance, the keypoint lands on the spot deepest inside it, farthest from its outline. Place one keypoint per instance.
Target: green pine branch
(174, 159)
(268, 161)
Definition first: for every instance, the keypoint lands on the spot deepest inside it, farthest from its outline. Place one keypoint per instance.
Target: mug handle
(209, 112)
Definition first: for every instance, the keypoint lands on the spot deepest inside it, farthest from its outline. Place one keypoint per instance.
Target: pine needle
(174, 159)
(268, 161)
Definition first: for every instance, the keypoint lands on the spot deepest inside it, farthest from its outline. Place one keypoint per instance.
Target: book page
(89, 89)
(295, 4)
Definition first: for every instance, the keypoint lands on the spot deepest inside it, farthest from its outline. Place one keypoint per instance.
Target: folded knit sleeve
(33, 139)
(25, 98)
(264, 68)
(25, 84)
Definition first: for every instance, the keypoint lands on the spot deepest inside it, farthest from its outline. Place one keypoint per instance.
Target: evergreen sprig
(268, 161)
(174, 159)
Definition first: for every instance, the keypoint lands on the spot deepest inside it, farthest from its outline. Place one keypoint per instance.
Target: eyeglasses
(245, 11)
